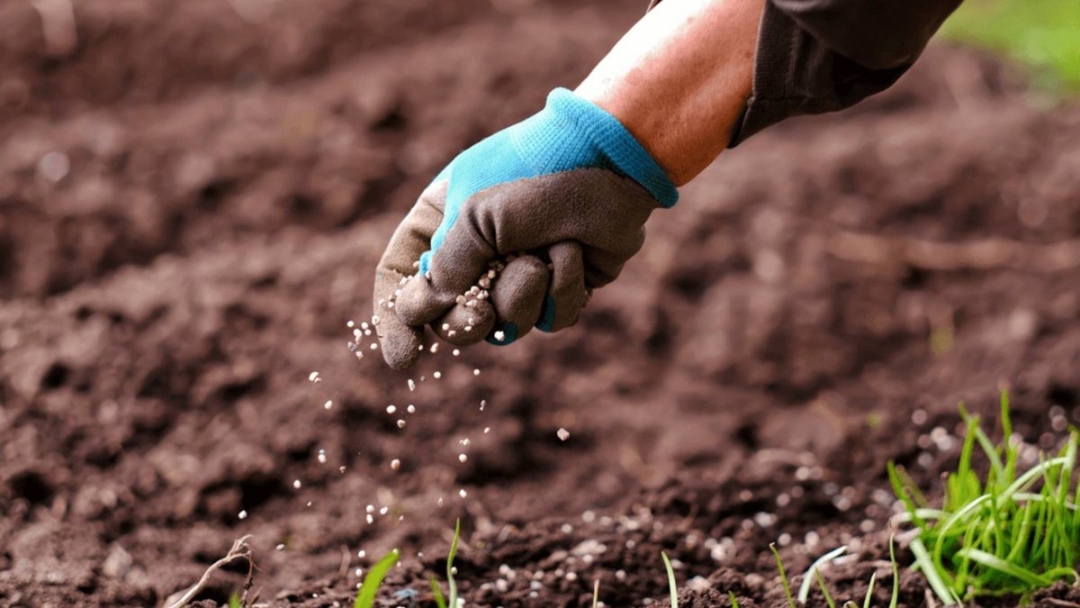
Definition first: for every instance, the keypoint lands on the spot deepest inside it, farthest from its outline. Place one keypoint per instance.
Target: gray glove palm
(563, 196)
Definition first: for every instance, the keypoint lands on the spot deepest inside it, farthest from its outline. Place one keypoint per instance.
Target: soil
(192, 200)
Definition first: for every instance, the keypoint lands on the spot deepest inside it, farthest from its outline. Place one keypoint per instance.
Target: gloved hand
(518, 230)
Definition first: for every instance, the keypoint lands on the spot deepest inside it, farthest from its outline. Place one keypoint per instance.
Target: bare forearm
(680, 78)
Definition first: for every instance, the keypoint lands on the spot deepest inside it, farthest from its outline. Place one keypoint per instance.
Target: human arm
(567, 192)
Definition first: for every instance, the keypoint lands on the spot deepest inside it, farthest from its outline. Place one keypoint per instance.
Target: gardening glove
(518, 230)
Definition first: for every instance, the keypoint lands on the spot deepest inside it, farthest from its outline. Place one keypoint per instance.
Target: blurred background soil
(193, 195)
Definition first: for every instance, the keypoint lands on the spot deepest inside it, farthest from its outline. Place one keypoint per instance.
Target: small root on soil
(240, 550)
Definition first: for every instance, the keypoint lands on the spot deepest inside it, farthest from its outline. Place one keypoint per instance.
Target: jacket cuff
(796, 73)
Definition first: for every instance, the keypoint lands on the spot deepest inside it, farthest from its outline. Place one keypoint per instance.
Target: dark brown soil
(192, 201)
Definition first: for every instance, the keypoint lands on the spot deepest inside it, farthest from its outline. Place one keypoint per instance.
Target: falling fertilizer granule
(563, 434)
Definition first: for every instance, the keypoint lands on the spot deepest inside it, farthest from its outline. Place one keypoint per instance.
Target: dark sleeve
(817, 56)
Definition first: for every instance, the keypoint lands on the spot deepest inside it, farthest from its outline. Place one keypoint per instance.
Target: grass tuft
(1002, 533)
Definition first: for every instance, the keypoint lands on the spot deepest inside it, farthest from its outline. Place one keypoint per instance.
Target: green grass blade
(731, 596)
(959, 483)
(1012, 454)
(808, 576)
(783, 576)
(997, 469)
(1025, 481)
(1062, 572)
(869, 591)
(370, 588)
(932, 573)
(995, 562)
(450, 566)
(904, 494)
(824, 589)
(895, 601)
(596, 593)
(672, 586)
(234, 601)
(440, 599)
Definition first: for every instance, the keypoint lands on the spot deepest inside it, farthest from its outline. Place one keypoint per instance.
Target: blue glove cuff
(601, 139)
(569, 133)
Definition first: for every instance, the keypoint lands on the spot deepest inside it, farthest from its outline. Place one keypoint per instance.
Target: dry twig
(240, 550)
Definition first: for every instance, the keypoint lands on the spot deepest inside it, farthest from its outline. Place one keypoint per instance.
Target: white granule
(563, 434)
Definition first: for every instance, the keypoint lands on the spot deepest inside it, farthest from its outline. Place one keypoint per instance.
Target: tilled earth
(193, 195)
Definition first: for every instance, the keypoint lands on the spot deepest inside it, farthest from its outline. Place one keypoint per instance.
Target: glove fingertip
(547, 315)
(402, 348)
